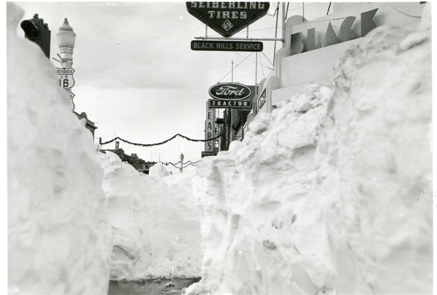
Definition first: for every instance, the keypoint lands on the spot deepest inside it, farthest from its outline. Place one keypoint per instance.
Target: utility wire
(269, 28)
(262, 67)
(403, 12)
(267, 58)
(235, 66)
(245, 75)
(253, 60)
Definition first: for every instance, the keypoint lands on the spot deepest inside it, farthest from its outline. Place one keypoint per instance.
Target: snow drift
(58, 233)
(332, 192)
(155, 224)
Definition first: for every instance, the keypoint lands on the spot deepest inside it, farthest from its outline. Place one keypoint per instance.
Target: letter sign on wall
(228, 18)
(209, 130)
(301, 44)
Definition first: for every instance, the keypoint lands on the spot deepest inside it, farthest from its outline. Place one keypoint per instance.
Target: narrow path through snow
(151, 286)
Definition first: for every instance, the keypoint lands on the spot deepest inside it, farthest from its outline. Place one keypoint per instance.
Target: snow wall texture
(58, 234)
(155, 224)
(331, 193)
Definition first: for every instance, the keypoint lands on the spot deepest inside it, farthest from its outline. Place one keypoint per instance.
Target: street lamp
(66, 38)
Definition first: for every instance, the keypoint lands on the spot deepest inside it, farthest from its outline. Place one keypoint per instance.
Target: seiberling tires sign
(228, 18)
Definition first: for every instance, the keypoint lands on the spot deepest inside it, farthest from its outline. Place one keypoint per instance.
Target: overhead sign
(226, 46)
(231, 91)
(228, 18)
(65, 76)
(230, 104)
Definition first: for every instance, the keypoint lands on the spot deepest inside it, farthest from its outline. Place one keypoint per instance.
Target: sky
(136, 76)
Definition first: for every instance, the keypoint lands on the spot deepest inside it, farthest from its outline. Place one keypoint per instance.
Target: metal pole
(283, 24)
(239, 39)
(232, 72)
(229, 113)
(256, 74)
(276, 33)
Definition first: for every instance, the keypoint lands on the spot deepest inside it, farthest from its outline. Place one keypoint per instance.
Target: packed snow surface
(331, 193)
(155, 224)
(58, 234)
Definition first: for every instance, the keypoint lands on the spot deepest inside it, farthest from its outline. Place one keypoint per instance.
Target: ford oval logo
(229, 91)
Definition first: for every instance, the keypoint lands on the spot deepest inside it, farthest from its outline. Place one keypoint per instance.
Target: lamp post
(66, 39)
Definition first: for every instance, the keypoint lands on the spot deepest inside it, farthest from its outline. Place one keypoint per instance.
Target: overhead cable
(235, 67)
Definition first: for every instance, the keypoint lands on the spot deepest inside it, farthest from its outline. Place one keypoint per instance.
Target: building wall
(293, 71)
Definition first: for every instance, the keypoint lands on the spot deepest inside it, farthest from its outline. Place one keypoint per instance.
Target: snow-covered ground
(59, 237)
(155, 224)
(332, 192)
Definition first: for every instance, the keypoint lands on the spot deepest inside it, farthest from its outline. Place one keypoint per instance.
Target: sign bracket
(240, 39)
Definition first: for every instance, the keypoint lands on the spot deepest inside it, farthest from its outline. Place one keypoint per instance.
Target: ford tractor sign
(229, 91)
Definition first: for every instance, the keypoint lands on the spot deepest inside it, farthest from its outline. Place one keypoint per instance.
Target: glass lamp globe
(66, 36)
(66, 39)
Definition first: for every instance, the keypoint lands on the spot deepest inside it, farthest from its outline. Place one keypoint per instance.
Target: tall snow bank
(155, 224)
(332, 192)
(58, 233)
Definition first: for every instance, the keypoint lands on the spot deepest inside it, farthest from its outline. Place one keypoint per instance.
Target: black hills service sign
(228, 18)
